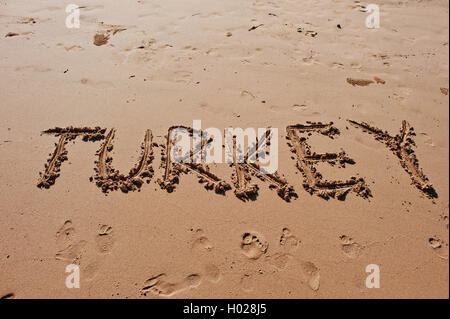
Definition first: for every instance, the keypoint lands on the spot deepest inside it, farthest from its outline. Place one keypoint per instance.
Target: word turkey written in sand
(109, 179)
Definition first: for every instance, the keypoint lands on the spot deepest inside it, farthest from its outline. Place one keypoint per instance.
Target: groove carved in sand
(10, 295)
(244, 190)
(173, 169)
(402, 146)
(313, 181)
(53, 165)
(241, 179)
(108, 178)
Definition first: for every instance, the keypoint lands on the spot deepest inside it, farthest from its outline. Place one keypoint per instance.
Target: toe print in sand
(350, 247)
(253, 245)
(105, 239)
(439, 247)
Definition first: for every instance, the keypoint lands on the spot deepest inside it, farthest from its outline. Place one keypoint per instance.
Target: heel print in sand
(288, 243)
(108, 178)
(311, 274)
(349, 247)
(402, 146)
(439, 247)
(313, 181)
(53, 166)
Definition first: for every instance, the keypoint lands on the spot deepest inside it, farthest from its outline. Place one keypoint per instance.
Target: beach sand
(148, 65)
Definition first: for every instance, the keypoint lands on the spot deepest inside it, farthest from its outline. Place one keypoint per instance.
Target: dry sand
(148, 65)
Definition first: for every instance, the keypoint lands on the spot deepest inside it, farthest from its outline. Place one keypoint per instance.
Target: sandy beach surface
(136, 68)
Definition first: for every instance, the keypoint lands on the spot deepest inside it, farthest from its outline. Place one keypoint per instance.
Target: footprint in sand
(201, 242)
(69, 249)
(288, 243)
(90, 270)
(444, 216)
(439, 247)
(310, 59)
(182, 76)
(427, 139)
(72, 253)
(253, 245)
(350, 248)
(212, 273)
(311, 274)
(82, 252)
(279, 260)
(287, 240)
(65, 234)
(160, 286)
(104, 239)
(104, 242)
(247, 283)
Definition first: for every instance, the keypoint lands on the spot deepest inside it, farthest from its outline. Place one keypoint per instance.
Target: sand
(362, 117)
